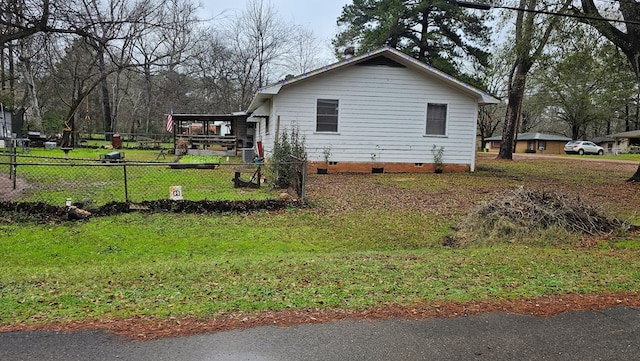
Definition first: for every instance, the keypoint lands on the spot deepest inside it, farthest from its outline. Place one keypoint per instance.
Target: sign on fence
(175, 193)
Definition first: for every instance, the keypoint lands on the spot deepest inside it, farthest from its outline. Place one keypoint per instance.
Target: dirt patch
(7, 191)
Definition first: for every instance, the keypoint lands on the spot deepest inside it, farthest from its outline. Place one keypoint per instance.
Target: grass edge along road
(163, 266)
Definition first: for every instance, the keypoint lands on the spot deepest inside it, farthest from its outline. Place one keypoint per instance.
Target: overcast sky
(317, 15)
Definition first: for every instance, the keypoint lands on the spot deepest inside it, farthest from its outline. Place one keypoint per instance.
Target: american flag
(170, 121)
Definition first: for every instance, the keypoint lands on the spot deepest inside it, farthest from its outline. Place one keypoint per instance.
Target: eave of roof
(602, 139)
(214, 117)
(629, 134)
(535, 136)
(265, 93)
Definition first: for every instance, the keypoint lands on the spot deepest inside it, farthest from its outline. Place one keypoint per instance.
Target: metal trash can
(116, 141)
(247, 155)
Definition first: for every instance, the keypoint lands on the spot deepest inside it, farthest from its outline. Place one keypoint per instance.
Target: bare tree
(258, 41)
(21, 19)
(165, 47)
(532, 32)
(303, 55)
(114, 43)
(75, 74)
(110, 28)
(219, 72)
(489, 118)
(267, 34)
(27, 54)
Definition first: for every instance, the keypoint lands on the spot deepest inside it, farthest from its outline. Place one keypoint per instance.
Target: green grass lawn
(371, 241)
(86, 178)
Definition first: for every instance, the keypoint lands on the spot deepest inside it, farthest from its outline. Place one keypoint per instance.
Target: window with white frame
(436, 119)
(327, 115)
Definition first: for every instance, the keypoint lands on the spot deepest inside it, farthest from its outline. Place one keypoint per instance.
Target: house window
(542, 145)
(436, 119)
(327, 115)
(266, 125)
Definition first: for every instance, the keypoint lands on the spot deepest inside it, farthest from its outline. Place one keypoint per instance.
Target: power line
(487, 6)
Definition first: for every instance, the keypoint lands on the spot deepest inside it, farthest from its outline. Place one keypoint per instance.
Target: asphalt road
(612, 334)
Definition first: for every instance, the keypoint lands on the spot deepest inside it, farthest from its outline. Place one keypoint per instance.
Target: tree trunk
(106, 101)
(31, 105)
(106, 107)
(510, 129)
(636, 176)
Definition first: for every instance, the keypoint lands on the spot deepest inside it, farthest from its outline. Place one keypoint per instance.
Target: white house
(626, 140)
(382, 111)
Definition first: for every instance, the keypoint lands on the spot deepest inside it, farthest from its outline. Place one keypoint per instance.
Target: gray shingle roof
(535, 136)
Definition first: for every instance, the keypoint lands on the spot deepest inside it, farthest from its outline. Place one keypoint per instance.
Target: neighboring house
(382, 111)
(626, 140)
(608, 143)
(533, 142)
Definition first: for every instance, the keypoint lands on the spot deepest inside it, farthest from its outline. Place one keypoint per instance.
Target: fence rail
(57, 181)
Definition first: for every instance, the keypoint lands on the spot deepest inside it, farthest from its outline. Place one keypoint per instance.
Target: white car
(583, 147)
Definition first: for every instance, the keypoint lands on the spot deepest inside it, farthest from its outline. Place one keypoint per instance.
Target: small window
(436, 119)
(327, 115)
(266, 125)
(542, 145)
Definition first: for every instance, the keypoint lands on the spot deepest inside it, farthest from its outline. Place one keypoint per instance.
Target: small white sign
(175, 193)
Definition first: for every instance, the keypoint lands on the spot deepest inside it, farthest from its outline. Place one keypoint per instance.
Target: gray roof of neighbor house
(599, 140)
(394, 55)
(535, 136)
(630, 134)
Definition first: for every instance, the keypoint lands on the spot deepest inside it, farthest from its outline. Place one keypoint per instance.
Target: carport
(211, 132)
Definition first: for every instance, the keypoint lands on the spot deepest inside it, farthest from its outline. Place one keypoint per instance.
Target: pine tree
(437, 32)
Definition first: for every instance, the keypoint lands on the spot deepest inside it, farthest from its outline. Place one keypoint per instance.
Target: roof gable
(383, 56)
(380, 60)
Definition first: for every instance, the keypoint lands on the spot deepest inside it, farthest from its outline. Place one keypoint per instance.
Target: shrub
(288, 150)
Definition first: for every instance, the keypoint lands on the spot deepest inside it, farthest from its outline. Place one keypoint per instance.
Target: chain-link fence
(111, 178)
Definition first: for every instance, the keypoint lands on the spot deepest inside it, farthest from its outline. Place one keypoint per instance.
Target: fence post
(126, 188)
(300, 176)
(303, 186)
(13, 168)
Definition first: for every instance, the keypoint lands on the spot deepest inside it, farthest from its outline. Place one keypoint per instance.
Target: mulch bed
(146, 328)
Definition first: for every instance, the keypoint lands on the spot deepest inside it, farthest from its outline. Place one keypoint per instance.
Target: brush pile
(527, 209)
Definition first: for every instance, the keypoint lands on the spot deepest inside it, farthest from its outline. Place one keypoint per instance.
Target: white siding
(382, 112)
